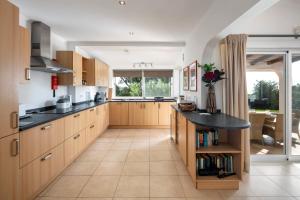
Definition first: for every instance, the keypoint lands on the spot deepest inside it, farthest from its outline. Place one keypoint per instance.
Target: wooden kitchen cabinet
(41, 171)
(74, 123)
(71, 60)
(95, 72)
(174, 125)
(182, 137)
(9, 167)
(118, 113)
(136, 113)
(151, 113)
(24, 66)
(9, 60)
(37, 141)
(164, 112)
(90, 116)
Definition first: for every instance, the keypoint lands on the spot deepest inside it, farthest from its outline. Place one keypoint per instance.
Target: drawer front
(41, 171)
(69, 150)
(90, 116)
(37, 141)
(91, 133)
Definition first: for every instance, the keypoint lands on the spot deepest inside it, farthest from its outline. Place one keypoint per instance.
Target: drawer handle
(77, 136)
(15, 120)
(47, 157)
(92, 110)
(27, 74)
(76, 115)
(92, 126)
(15, 148)
(46, 127)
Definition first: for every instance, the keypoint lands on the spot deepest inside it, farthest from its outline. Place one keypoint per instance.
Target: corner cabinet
(95, 72)
(71, 60)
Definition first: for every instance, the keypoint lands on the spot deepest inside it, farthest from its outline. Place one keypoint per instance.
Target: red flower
(209, 76)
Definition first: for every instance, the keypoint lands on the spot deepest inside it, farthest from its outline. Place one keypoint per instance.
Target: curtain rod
(296, 36)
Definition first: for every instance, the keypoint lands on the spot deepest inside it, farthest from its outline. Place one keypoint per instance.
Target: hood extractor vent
(40, 50)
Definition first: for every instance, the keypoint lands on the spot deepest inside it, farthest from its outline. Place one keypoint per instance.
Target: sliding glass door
(295, 104)
(266, 85)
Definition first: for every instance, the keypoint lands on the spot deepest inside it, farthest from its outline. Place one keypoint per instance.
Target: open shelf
(221, 148)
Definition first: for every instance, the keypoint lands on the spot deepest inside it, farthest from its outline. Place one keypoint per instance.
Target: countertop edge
(59, 116)
(186, 115)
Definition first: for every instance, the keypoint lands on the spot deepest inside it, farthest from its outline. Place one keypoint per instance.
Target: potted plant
(210, 77)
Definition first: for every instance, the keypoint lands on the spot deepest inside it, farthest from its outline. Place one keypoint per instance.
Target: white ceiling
(125, 56)
(106, 20)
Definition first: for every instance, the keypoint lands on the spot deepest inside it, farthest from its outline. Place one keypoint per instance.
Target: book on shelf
(211, 164)
(206, 138)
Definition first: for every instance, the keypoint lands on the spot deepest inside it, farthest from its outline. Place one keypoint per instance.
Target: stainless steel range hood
(40, 50)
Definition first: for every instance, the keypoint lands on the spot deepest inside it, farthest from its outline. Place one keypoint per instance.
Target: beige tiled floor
(145, 165)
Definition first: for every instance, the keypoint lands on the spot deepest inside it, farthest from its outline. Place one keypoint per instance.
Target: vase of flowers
(210, 77)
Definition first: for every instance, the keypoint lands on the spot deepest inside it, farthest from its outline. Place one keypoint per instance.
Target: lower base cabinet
(9, 167)
(41, 171)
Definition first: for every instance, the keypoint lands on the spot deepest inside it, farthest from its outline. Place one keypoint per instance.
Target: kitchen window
(142, 83)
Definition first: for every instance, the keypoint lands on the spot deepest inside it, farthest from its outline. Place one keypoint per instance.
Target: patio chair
(257, 122)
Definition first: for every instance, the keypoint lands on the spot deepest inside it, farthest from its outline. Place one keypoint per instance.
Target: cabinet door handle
(158, 105)
(92, 126)
(144, 105)
(14, 120)
(47, 157)
(15, 147)
(27, 74)
(46, 127)
(92, 110)
(77, 136)
(76, 115)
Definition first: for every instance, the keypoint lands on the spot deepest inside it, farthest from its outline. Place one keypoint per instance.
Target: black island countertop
(37, 119)
(218, 120)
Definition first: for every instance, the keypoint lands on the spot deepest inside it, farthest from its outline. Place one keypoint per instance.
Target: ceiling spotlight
(131, 33)
(122, 3)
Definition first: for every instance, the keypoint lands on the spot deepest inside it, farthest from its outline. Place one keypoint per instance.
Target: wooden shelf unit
(231, 142)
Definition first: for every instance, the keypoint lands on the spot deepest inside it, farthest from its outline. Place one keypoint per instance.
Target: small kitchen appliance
(100, 96)
(64, 102)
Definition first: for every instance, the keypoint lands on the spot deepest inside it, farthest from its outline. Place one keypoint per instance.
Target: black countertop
(218, 120)
(41, 118)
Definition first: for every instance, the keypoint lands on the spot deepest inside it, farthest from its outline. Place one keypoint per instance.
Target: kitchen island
(211, 146)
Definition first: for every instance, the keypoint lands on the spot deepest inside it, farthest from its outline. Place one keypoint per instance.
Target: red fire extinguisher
(54, 83)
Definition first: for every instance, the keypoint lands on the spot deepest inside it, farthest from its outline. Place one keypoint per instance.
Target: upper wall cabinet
(73, 61)
(95, 72)
(24, 49)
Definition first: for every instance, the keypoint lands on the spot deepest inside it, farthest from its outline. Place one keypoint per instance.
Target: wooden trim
(138, 127)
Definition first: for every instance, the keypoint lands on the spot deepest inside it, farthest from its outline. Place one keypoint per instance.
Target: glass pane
(157, 87)
(266, 98)
(128, 86)
(295, 104)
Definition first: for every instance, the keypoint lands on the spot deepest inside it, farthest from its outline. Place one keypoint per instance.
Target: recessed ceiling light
(122, 3)
(131, 33)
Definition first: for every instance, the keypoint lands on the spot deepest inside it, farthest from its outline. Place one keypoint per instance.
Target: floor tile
(54, 198)
(136, 168)
(121, 146)
(91, 156)
(116, 155)
(160, 155)
(81, 168)
(101, 146)
(165, 186)
(133, 186)
(290, 184)
(140, 146)
(68, 186)
(163, 168)
(100, 186)
(109, 168)
(137, 156)
(181, 168)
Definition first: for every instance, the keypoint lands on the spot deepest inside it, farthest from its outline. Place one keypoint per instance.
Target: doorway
(266, 85)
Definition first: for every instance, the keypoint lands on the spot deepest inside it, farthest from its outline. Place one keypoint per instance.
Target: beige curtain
(235, 102)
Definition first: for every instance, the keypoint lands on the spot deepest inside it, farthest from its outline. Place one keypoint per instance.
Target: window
(157, 87)
(138, 83)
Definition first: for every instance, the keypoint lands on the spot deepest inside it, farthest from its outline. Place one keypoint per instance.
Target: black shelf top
(37, 118)
(218, 120)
